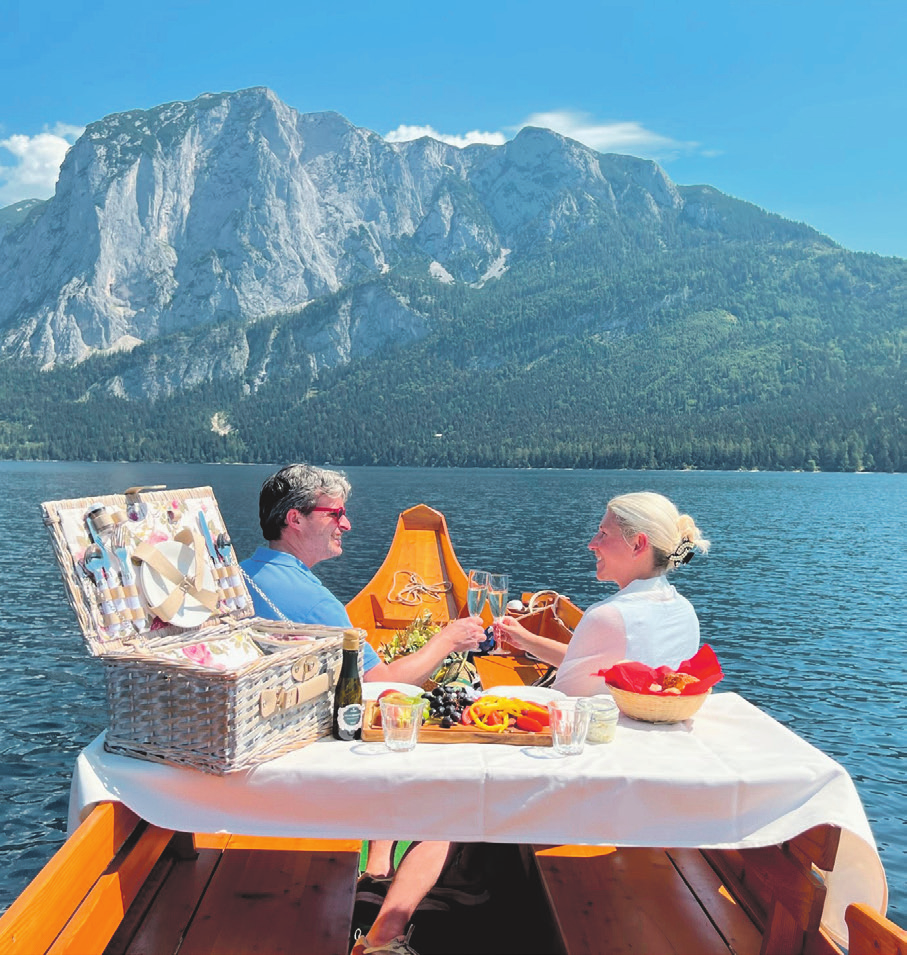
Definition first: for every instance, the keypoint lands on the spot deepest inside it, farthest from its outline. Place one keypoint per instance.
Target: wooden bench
(665, 901)
(869, 933)
(120, 885)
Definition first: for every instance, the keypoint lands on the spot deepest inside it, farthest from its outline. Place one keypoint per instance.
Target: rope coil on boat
(543, 598)
(415, 590)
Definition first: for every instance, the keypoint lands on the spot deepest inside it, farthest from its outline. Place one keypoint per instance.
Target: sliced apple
(396, 696)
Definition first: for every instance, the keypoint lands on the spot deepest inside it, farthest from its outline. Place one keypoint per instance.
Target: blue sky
(799, 107)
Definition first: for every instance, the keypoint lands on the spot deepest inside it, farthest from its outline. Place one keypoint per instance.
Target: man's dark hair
(297, 486)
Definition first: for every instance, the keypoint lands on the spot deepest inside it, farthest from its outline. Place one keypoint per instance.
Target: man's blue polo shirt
(297, 593)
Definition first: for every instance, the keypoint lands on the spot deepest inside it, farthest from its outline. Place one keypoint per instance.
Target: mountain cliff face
(235, 206)
(228, 279)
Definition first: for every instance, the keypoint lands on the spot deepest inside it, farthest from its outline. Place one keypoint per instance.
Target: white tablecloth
(732, 777)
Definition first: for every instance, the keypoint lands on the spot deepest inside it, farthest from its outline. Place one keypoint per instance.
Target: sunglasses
(338, 513)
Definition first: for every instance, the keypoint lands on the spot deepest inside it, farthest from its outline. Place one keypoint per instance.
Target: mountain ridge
(229, 254)
(236, 205)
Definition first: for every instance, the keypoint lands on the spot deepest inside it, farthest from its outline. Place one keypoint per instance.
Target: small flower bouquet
(412, 638)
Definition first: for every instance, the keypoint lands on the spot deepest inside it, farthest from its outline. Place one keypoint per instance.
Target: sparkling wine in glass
(478, 590)
(498, 588)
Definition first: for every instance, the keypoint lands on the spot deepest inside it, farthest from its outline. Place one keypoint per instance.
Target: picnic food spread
(452, 718)
(498, 714)
(449, 706)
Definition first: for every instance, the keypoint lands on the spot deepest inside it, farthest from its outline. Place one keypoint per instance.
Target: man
(303, 517)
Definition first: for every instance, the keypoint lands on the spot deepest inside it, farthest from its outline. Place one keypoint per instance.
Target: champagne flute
(478, 589)
(498, 588)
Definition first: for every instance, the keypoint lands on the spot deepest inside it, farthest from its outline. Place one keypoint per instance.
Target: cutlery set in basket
(192, 676)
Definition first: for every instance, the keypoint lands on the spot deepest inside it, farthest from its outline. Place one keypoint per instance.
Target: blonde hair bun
(673, 536)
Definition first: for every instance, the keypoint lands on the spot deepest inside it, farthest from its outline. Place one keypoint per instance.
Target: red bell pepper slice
(528, 723)
(539, 713)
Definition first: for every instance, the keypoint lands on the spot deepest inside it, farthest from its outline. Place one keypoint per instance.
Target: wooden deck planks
(759, 901)
(617, 901)
(736, 927)
(160, 923)
(276, 901)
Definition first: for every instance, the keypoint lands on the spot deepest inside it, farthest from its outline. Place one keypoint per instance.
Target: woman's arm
(547, 650)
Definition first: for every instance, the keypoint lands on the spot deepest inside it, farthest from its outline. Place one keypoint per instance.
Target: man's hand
(462, 635)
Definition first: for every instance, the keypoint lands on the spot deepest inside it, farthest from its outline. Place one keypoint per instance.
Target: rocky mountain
(206, 266)
(237, 206)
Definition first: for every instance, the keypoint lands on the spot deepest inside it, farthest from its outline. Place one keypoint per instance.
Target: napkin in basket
(638, 678)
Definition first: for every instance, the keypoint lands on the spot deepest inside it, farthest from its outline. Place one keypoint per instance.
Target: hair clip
(683, 553)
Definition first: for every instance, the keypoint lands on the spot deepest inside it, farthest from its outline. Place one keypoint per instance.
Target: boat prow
(421, 573)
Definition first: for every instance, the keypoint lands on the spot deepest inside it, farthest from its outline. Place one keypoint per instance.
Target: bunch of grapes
(447, 702)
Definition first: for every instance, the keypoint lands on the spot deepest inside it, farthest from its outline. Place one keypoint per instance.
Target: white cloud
(405, 134)
(36, 162)
(624, 137)
(619, 137)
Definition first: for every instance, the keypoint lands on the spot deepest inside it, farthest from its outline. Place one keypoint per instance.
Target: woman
(641, 538)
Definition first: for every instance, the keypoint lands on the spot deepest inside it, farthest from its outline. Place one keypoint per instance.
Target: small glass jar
(603, 714)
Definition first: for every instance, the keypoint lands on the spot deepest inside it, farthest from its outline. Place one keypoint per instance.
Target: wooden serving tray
(431, 733)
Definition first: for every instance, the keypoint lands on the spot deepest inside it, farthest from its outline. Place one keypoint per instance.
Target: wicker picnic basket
(657, 707)
(193, 677)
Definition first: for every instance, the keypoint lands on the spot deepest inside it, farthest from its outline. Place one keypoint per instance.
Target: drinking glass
(400, 723)
(478, 590)
(569, 725)
(498, 589)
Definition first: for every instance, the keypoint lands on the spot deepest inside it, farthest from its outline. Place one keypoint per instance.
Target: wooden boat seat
(394, 616)
(120, 885)
(869, 933)
(665, 901)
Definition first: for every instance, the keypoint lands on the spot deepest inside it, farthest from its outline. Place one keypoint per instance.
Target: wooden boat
(421, 574)
(122, 885)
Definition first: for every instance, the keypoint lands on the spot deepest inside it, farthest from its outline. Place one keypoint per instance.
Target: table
(730, 778)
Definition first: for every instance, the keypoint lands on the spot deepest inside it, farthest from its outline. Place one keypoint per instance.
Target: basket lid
(143, 568)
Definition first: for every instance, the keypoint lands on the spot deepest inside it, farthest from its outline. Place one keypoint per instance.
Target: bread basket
(658, 707)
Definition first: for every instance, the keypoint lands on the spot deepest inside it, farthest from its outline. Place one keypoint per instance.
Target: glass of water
(400, 723)
(569, 721)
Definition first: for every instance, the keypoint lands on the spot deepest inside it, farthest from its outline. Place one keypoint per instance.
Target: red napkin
(637, 677)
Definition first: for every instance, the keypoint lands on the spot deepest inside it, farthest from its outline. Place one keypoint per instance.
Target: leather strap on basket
(184, 585)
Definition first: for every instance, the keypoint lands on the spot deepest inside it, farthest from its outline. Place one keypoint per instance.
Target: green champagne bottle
(347, 722)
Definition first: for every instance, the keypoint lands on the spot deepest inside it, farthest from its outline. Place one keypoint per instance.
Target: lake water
(802, 598)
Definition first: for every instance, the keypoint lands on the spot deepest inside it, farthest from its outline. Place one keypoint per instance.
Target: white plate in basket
(371, 691)
(531, 694)
(191, 612)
